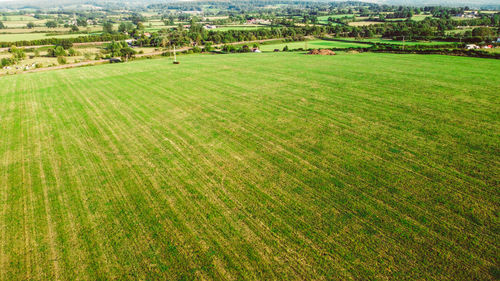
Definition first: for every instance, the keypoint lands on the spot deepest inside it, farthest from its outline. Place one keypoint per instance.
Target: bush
(72, 52)
(17, 53)
(58, 51)
(6, 62)
(61, 60)
(208, 47)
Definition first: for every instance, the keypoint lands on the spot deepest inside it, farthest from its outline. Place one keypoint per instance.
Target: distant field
(33, 36)
(252, 167)
(17, 18)
(313, 44)
(324, 19)
(21, 24)
(240, 27)
(364, 23)
(388, 41)
(420, 17)
(44, 29)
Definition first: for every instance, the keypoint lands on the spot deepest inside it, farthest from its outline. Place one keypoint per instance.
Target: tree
(66, 44)
(51, 24)
(107, 27)
(137, 18)
(2, 26)
(114, 48)
(81, 22)
(6, 62)
(122, 27)
(126, 53)
(58, 51)
(30, 25)
(17, 53)
(484, 33)
(74, 28)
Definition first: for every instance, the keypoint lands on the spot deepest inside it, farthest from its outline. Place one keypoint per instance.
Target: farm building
(471, 46)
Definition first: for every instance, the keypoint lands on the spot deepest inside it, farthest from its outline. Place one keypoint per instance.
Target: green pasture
(273, 166)
(239, 27)
(313, 44)
(33, 36)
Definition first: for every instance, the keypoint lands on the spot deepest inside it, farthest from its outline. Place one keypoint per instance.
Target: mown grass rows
(278, 166)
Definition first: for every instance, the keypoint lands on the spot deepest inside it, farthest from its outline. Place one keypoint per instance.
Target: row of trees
(424, 30)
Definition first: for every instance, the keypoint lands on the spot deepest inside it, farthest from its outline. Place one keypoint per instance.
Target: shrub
(72, 52)
(61, 60)
(6, 62)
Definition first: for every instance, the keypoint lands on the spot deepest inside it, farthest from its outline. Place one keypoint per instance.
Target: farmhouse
(470, 15)
(471, 46)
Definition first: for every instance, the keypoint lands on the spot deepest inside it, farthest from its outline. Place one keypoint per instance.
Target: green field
(313, 44)
(33, 36)
(420, 17)
(388, 41)
(240, 27)
(18, 18)
(252, 167)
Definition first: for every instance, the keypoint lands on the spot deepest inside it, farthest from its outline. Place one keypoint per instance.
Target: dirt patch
(322, 52)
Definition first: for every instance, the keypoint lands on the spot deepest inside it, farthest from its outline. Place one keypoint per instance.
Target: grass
(420, 17)
(240, 27)
(18, 18)
(494, 50)
(22, 24)
(313, 44)
(388, 41)
(33, 36)
(252, 167)
(364, 23)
